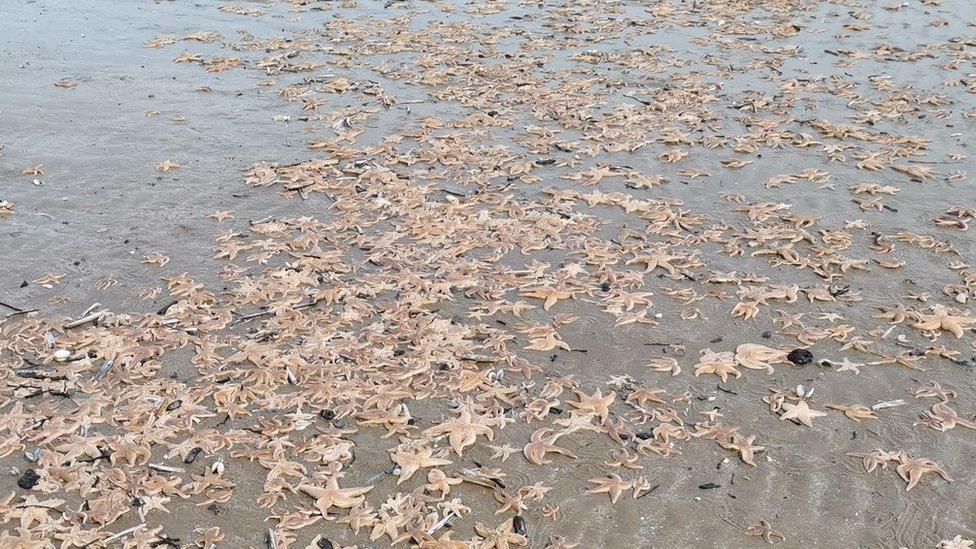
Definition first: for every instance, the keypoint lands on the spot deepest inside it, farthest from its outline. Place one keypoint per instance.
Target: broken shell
(809, 393)
(961, 298)
(62, 354)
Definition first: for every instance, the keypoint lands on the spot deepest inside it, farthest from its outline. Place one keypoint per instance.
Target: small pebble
(28, 480)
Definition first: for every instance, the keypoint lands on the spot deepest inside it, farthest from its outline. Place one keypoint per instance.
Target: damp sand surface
(101, 206)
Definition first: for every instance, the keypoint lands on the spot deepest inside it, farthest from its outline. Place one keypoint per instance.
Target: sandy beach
(446, 274)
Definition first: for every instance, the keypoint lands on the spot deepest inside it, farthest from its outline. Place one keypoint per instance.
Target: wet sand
(101, 206)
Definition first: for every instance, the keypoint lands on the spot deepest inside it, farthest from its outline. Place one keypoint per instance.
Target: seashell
(799, 391)
(217, 468)
(62, 354)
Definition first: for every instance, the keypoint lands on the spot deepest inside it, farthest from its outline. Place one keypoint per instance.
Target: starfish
(641, 486)
(76, 537)
(611, 484)
(622, 458)
(576, 422)
(49, 279)
(443, 542)
(639, 317)
(502, 452)
(411, 462)
(712, 414)
(509, 502)
(548, 293)
(559, 542)
(455, 506)
(800, 413)
(438, 481)
(758, 357)
(502, 537)
(855, 412)
(167, 165)
(463, 431)
(597, 403)
(152, 502)
(35, 170)
(627, 301)
(894, 315)
(745, 447)
(642, 396)
(848, 366)
(877, 458)
(534, 492)
(542, 443)
(912, 469)
(935, 391)
(942, 418)
(915, 172)
(144, 537)
(765, 531)
(786, 320)
(745, 309)
(664, 364)
(547, 342)
(943, 319)
(334, 496)
(359, 517)
(721, 364)
(655, 260)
